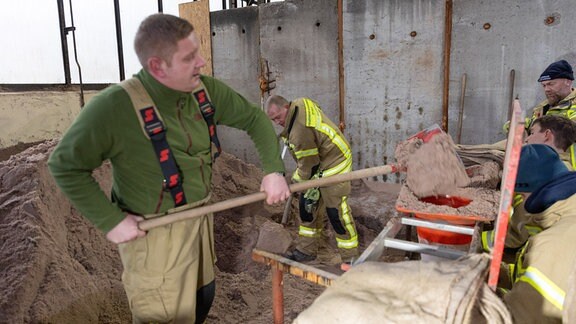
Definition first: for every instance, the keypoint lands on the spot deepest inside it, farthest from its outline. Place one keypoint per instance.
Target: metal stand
(386, 239)
(279, 265)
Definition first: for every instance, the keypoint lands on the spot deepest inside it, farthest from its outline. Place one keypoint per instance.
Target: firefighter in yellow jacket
(557, 132)
(540, 276)
(557, 83)
(320, 150)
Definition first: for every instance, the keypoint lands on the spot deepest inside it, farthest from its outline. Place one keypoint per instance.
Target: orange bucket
(443, 237)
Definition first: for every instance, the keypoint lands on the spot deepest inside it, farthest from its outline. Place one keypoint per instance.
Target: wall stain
(385, 118)
(398, 113)
(397, 126)
(420, 110)
(426, 60)
(380, 54)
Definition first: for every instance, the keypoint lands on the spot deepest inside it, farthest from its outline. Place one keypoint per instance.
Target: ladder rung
(423, 248)
(438, 226)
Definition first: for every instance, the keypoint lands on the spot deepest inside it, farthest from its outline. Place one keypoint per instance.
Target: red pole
(277, 296)
(513, 147)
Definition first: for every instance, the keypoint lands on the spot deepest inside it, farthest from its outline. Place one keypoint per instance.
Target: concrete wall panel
(489, 39)
(300, 41)
(393, 74)
(235, 53)
(297, 38)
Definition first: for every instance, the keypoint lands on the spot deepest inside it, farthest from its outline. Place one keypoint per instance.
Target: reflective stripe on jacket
(565, 107)
(541, 273)
(520, 227)
(316, 143)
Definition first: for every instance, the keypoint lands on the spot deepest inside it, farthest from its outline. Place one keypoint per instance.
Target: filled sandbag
(410, 292)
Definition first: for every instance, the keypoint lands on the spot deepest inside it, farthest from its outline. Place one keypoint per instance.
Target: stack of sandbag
(482, 153)
(410, 292)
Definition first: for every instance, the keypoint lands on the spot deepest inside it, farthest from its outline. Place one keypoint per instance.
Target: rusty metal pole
(277, 296)
(511, 94)
(461, 113)
(341, 91)
(447, 46)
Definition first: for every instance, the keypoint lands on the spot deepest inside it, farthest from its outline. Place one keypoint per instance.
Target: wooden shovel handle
(252, 198)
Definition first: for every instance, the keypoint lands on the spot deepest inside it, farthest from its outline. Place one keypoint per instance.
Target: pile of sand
(55, 267)
(433, 169)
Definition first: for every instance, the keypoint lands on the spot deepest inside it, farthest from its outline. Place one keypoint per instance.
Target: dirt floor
(55, 267)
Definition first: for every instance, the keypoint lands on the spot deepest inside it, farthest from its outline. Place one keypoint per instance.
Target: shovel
(288, 206)
(255, 197)
(426, 134)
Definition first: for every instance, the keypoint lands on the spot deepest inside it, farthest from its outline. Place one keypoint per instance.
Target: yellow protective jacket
(317, 145)
(520, 227)
(541, 274)
(567, 108)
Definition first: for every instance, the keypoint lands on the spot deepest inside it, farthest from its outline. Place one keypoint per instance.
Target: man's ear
(549, 136)
(156, 67)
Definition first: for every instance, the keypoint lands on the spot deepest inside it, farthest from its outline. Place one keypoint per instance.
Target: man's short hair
(564, 129)
(158, 35)
(275, 100)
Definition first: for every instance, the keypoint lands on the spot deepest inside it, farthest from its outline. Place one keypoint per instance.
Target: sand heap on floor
(55, 267)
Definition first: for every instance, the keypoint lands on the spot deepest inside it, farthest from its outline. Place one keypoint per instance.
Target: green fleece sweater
(107, 128)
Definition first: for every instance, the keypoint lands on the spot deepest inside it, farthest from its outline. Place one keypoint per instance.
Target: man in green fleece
(158, 131)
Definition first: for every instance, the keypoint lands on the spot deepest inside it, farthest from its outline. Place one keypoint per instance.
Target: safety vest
(566, 108)
(154, 129)
(313, 119)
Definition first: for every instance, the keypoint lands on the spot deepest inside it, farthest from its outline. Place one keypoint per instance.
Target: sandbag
(443, 291)
(482, 153)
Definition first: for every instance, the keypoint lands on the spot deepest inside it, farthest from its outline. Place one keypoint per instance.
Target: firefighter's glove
(311, 197)
(506, 127)
(527, 124)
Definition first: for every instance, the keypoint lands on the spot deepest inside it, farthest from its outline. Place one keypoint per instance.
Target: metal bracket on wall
(265, 78)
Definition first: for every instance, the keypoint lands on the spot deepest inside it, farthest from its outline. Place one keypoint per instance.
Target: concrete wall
(302, 66)
(235, 54)
(393, 64)
(392, 79)
(522, 35)
(393, 67)
(35, 116)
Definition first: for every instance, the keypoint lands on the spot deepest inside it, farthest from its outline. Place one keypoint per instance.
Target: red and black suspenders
(154, 129)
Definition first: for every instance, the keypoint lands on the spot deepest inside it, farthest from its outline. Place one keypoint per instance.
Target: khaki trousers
(164, 270)
(335, 198)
